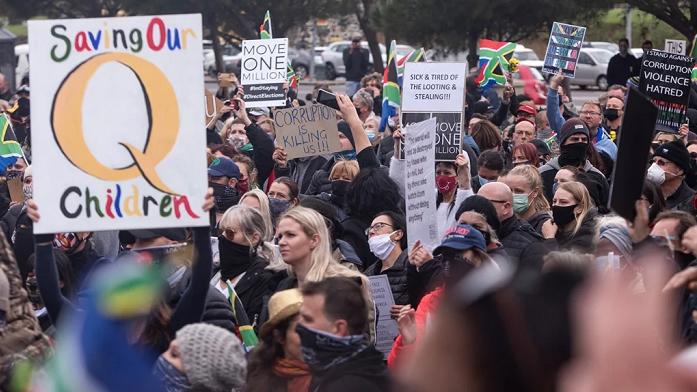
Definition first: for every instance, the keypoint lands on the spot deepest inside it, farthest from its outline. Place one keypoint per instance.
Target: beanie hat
(346, 130)
(572, 127)
(213, 357)
(482, 206)
(675, 152)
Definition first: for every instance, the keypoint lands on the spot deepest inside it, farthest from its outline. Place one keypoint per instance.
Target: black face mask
(340, 188)
(573, 154)
(563, 215)
(611, 114)
(225, 196)
(234, 258)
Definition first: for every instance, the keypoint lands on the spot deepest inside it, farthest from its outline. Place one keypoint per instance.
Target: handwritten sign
(420, 195)
(146, 166)
(665, 78)
(563, 49)
(676, 46)
(264, 71)
(212, 105)
(387, 330)
(307, 131)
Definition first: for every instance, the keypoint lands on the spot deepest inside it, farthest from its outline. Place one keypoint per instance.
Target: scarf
(296, 373)
(225, 196)
(322, 351)
(172, 379)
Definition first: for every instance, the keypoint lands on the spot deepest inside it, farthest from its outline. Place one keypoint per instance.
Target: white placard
(434, 87)
(116, 122)
(420, 156)
(676, 46)
(264, 69)
(387, 329)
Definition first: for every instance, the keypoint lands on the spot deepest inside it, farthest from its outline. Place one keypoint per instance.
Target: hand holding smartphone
(328, 99)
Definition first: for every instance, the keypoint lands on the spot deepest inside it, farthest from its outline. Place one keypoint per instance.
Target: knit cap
(213, 358)
(571, 127)
(675, 152)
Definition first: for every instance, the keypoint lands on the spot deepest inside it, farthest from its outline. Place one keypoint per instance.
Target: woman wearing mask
(529, 201)
(276, 364)
(573, 219)
(283, 195)
(372, 129)
(388, 242)
(341, 176)
(525, 154)
(258, 200)
(320, 179)
(247, 263)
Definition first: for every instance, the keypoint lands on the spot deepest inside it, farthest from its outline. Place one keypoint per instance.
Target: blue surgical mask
(348, 155)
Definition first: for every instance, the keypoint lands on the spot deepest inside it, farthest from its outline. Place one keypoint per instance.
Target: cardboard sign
(264, 71)
(212, 107)
(15, 185)
(665, 78)
(420, 196)
(116, 121)
(436, 90)
(387, 330)
(226, 79)
(307, 131)
(676, 46)
(563, 49)
(633, 142)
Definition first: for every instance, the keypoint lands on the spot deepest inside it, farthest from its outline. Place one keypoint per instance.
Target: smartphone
(232, 103)
(326, 98)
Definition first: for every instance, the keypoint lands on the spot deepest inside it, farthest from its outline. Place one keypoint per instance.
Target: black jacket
(354, 233)
(681, 199)
(549, 170)
(522, 243)
(256, 284)
(356, 63)
(302, 170)
(397, 276)
(366, 372)
(320, 179)
(619, 69)
(583, 240)
(262, 154)
(539, 219)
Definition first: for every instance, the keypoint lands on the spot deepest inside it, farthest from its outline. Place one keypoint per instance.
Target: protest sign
(264, 71)
(307, 131)
(116, 118)
(665, 78)
(387, 330)
(16, 188)
(420, 197)
(563, 49)
(436, 90)
(212, 107)
(633, 148)
(676, 46)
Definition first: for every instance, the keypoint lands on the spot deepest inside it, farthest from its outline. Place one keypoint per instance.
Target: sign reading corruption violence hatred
(307, 131)
(665, 78)
(436, 90)
(116, 114)
(563, 49)
(263, 71)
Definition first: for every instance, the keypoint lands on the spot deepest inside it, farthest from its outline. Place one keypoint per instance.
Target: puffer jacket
(396, 275)
(550, 169)
(584, 239)
(522, 243)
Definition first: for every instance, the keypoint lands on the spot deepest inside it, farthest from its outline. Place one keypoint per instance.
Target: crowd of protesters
(536, 284)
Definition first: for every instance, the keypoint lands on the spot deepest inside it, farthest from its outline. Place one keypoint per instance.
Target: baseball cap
(224, 167)
(461, 237)
(173, 234)
(527, 109)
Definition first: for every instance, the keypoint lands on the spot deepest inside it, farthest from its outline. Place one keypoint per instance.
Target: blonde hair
(343, 167)
(532, 176)
(250, 221)
(264, 209)
(582, 197)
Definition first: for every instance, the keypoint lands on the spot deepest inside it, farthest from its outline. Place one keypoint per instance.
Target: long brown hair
(260, 375)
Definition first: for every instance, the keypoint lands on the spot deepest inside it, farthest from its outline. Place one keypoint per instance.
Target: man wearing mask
(491, 165)
(573, 138)
(671, 165)
(223, 177)
(356, 61)
(333, 329)
(614, 110)
(622, 65)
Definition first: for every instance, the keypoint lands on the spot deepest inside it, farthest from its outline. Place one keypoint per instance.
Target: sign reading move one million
(665, 78)
(263, 72)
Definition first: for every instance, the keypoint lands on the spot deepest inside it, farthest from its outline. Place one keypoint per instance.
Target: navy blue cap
(462, 237)
(224, 167)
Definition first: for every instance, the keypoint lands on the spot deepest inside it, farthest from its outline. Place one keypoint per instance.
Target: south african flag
(416, 56)
(10, 149)
(266, 32)
(494, 59)
(391, 94)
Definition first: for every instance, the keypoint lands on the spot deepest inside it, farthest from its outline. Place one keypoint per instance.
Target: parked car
(591, 69)
(232, 57)
(333, 57)
(528, 57)
(22, 63)
(300, 59)
(530, 81)
(318, 55)
(609, 46)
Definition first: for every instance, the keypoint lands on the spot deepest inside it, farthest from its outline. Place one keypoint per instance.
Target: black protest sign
(448, 132)
(665, 79)
(632, 153)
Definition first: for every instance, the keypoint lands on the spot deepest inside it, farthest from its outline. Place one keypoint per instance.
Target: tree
(679, 14)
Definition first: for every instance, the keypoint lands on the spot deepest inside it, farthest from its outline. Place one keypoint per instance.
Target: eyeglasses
(590, 113)
(227, 233)
(376, 227)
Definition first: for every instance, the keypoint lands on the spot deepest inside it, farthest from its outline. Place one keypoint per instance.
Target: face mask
(28, 191)
(14, 174)
(237, 141)
(322, 350)
(68, 242)
(446, 184)
(573, 154)
(225, 196)
(278, 207)
(656, 174)
(347, 155)
(172, 378)
(371, 135)
(340, 187)
(234, 258)
(482, 181)
(381, 245)
(521, 203)
(563, 215)
(611, 114)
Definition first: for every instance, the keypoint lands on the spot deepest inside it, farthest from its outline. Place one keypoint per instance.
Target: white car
(333, 57)
(232, 56)
(22, 61)
(528, 57)
(591, 69)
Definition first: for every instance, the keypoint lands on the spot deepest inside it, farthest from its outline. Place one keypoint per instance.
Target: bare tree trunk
(362, 11)
(472, 46)
(215, 38)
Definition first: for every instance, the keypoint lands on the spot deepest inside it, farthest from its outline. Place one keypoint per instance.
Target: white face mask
(237, 140)
(381, 245)
(655, 174)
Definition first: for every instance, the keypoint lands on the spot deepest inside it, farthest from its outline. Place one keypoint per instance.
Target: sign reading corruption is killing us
(116, 114)
(436, 90)
(563, 49)
(307, 131)
(264, 70)
(665, 78)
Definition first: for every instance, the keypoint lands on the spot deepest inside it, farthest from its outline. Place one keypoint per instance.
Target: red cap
(527, 109)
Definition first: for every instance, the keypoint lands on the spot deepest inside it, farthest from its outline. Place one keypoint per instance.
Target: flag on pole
(10, 149)
(266, 32)
(693, 54)
(391, 94)
(416, 56)
(494, 61)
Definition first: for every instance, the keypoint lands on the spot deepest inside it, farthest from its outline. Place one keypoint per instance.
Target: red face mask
(446, 184)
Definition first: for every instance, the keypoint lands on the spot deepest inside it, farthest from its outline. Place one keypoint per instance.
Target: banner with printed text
(264, 71)
(665, 78)
(116, 122)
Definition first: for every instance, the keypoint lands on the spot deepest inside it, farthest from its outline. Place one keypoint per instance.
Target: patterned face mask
(68, 242)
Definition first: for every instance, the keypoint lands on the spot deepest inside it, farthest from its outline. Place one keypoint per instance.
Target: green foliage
(610, 26)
